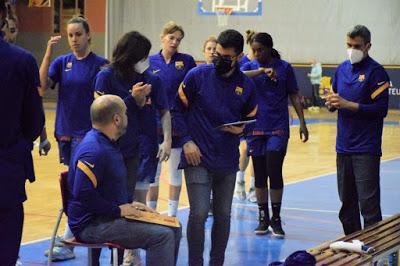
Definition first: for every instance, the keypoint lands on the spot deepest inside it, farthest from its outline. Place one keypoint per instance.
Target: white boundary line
(297, 209)
(248, 205)
(331, 173)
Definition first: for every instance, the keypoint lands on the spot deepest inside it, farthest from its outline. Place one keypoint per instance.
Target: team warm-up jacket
(365, 83)
(96, 181)
(204, 102)
(22, 121)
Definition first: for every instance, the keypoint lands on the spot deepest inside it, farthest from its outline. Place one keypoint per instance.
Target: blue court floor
(309, 215)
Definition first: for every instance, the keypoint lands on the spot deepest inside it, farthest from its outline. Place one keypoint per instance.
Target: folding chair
(74, 242)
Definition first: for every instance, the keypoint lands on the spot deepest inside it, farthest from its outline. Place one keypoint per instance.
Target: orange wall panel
(34, 19)
(95, 12)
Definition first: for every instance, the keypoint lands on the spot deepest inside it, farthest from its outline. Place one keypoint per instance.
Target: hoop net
(223, 13)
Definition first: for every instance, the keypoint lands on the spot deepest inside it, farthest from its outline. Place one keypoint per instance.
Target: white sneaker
(252, 196)
(132, 258)
(240, 193)
(18, 263)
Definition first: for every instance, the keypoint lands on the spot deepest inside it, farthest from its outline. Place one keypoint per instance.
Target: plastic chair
(74, 242)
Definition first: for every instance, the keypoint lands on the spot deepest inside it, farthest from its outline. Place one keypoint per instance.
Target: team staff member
(210, 96)
(361, 98)
(171, 66)
(22, 121)
(268, 138)
(98, 199)
(74, 73)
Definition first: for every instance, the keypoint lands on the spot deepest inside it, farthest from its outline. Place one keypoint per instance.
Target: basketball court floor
(309, 211)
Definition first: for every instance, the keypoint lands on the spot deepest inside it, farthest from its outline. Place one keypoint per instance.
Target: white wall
(301, 29)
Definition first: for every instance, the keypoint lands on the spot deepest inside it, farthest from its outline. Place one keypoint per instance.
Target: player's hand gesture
(139, 92)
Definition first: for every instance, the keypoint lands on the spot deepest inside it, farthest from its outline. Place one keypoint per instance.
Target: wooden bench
(384, 237)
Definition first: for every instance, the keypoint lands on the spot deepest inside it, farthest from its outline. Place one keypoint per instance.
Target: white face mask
(142, 65)
(354, 55)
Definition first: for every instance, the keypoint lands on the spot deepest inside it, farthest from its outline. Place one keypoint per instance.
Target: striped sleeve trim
(84, 168)
(182, 95)
(379, 90)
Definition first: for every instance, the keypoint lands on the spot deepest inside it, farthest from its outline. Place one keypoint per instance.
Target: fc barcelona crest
(239, 90)
(179, 65)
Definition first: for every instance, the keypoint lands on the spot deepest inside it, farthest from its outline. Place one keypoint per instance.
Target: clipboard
(238, 123)
(156, 218)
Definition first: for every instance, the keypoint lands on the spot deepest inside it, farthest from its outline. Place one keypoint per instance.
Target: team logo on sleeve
(361, 77)
(68, 67)
(239, 90)
(179, 65)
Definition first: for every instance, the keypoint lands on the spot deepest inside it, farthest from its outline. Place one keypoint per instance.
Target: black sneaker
(262, 228)
(275, 226)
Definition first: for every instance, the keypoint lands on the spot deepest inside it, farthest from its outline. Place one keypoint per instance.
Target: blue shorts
(147, 159)
(67, 148)
(259, 145)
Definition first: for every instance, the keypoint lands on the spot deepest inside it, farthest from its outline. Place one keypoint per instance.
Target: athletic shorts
(66, 148)
(259, 145)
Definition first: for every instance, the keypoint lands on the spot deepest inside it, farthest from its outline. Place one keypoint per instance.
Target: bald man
(98, 192)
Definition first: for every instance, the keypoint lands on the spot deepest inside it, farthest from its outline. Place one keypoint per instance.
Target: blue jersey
(207, 100)
(171, 74)
(75, 92)
(148, 142)
(365, 83)
(245, 59)
(107, 82)
(272, 97)
(22, 121)
(96, 181)
(156, 102)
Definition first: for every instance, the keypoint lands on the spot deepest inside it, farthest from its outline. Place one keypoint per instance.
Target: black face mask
(222, 65)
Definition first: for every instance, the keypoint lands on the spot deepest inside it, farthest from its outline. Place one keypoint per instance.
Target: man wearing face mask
(210, 96)
(361, 98)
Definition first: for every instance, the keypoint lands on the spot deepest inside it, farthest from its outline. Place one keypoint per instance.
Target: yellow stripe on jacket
(379, 90)
(84, 168)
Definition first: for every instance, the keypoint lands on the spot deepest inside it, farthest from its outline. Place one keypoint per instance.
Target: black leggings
(269, 165)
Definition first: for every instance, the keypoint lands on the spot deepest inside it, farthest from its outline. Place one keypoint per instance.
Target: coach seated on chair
(98, 199)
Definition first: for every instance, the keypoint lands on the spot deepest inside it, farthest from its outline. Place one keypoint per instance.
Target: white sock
(252, 182)
(152, 204)
(239, 176)
(172, 207)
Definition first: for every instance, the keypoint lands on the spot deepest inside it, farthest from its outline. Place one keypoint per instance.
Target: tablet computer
(238, 123)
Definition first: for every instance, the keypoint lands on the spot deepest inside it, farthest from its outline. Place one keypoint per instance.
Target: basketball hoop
(223, 13)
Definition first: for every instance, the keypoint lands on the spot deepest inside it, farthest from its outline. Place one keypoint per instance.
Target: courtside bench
(384, 237)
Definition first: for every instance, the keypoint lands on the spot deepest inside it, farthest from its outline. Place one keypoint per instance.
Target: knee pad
(175, 174)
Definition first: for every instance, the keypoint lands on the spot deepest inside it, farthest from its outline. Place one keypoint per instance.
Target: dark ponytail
(266, 40)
